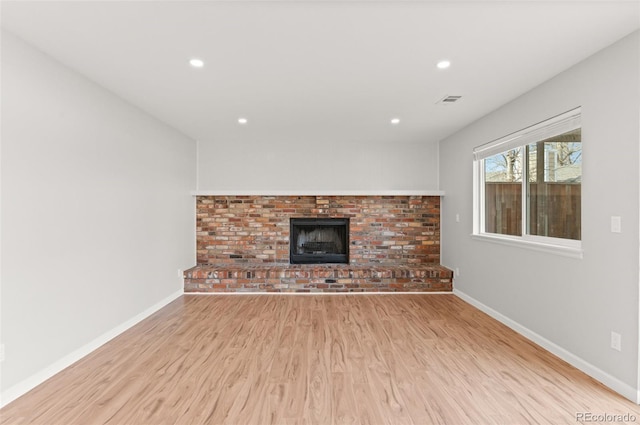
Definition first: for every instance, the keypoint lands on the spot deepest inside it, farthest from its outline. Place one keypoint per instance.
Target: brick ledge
(373, 277)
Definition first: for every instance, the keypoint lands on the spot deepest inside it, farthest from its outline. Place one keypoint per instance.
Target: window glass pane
(503, 192)
(554, 186)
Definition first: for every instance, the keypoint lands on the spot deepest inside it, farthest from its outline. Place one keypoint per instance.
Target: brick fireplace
(243, 244)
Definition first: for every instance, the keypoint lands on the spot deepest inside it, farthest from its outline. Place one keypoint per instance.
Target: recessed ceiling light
(395, 121)
(196, 63)
(443, 64)
(242, 121)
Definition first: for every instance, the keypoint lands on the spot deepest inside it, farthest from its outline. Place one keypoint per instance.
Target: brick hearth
(243, 245)
(318, 278)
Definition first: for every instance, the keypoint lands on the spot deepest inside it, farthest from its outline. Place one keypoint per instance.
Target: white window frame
(557, 125)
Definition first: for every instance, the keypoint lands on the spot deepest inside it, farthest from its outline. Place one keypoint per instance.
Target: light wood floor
(365, 359)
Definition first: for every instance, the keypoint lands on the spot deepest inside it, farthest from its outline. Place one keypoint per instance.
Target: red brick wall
(255, 229)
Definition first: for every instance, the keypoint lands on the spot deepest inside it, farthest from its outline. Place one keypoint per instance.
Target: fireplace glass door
(319, 240)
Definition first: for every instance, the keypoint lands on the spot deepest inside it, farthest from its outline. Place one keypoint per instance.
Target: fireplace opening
(319, 240)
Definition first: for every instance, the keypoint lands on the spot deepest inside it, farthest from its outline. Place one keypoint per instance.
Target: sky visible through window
(562, 160)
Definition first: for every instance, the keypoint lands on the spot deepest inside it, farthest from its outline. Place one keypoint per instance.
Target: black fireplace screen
(319, 240)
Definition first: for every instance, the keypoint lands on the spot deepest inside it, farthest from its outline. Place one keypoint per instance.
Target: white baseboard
(610, 381)
(34, 380)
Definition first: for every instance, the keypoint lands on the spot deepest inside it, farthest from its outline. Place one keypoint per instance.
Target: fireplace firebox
(319, 240)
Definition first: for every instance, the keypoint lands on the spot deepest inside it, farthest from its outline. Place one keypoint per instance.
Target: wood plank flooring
(295, 359)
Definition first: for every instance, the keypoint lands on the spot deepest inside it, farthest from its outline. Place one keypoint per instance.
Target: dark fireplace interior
(319, 240)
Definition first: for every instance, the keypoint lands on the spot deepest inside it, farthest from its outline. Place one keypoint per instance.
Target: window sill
(566, 251)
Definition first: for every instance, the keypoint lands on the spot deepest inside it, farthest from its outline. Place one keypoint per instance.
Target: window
(528, 186)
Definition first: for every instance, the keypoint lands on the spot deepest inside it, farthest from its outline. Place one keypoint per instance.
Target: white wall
(96, 212)
(334, 165)
(572, 304)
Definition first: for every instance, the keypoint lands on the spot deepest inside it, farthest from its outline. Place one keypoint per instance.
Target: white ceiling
(303, 71)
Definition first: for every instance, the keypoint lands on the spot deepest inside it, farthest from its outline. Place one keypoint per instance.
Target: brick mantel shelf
(317, 193)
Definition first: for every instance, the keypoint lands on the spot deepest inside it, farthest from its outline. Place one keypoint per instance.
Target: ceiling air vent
(447, 100)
